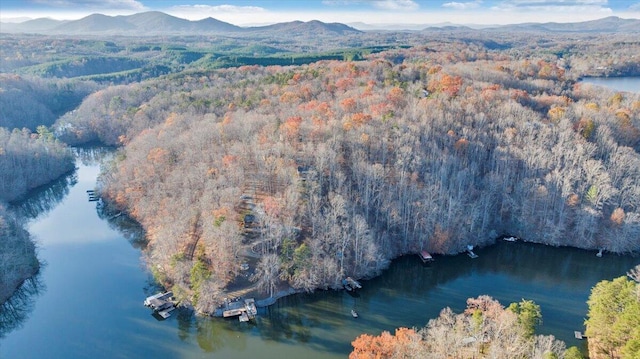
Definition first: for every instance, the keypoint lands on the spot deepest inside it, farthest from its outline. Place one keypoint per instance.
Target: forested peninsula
(316, 172)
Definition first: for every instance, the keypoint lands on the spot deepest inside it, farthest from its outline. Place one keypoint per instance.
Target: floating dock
(425, 256)
(161, 303)
(579, 335)
(245, 309)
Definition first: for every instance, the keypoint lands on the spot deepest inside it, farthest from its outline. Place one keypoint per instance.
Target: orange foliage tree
(446, 83)
(384, 345)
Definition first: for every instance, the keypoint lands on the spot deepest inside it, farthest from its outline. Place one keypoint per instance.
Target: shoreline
(260, 303)
(263, 302)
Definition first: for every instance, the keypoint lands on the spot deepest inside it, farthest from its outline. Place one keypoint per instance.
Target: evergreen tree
(613, 324)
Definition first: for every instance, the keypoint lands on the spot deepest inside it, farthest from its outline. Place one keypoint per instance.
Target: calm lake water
(629, 84)
(88, 297)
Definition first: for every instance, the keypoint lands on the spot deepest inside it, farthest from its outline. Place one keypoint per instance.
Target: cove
(629, 84)
(88, 302)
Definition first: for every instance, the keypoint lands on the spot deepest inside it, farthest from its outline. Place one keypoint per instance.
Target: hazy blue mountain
(30, 26)
(95, 23)
(145, 23)
(306, 28)
(156, 23)
(608, 25)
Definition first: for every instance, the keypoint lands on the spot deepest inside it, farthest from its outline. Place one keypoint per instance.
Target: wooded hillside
(29, 102)
(27, 160)
(334, 168)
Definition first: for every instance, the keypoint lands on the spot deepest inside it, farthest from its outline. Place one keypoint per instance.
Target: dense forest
(29, 102)
(336, 167)
(27, 160)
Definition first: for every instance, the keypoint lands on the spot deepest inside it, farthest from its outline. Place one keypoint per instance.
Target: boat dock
(351, 284)
(425, 256)
(161, 303)
(470, 252)
(93, 197)
(245, 309)
(579, 335)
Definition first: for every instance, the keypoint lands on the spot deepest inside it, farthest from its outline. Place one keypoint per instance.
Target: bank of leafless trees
(27, 160)
(17, 255)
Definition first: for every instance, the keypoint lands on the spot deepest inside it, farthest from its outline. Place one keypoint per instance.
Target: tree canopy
(361, 162)
(484, 330)
(613, 323)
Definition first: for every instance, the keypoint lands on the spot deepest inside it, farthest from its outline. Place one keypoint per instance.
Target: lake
(629, 84)
(87, 300)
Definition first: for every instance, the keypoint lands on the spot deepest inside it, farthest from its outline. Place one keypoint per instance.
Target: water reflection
(90, 155)
(212, 335)
(125, 225)
(525, 263)
(409, 294)
(43, 199)
(15, 311)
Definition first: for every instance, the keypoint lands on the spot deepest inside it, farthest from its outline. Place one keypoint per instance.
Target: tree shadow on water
(15, 311)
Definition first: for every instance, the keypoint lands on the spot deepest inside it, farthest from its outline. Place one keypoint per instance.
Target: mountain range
(158, 23)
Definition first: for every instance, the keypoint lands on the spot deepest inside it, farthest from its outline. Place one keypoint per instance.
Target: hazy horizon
(381, 13)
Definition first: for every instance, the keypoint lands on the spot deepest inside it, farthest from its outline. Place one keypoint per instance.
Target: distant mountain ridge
(315, 26)
(159, 23)
(609, 24)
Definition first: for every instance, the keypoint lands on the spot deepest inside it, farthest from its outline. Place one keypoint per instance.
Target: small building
(161, 303)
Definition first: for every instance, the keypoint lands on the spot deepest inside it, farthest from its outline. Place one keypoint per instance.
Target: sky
(378, 12)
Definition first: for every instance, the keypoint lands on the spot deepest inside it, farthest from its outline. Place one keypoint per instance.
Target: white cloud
(395, 5)
(229, 13)
(554, 2)
(550, 4)
(94, 4)
(219, 9)
(597, 8)
(463, 5)
(635, 7)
